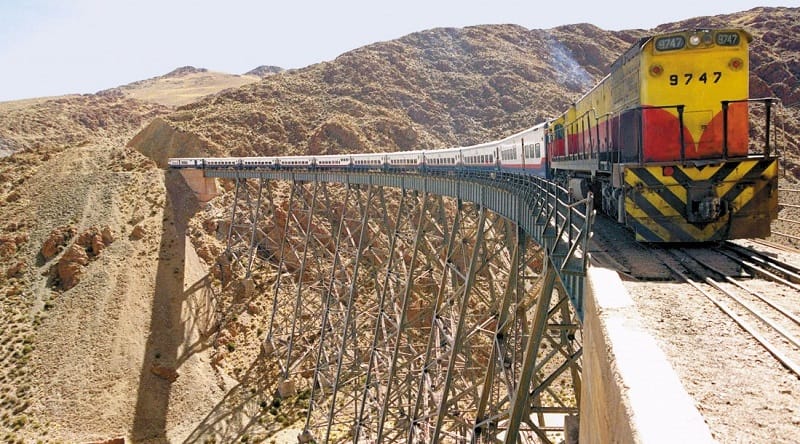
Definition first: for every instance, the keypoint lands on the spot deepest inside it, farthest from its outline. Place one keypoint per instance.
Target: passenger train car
(662, 142)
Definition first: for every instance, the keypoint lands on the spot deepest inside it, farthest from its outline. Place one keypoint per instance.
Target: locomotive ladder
(416, 308)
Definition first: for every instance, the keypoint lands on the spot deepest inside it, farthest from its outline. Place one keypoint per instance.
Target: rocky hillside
(432, 88)
(264, 70)
(71, 120)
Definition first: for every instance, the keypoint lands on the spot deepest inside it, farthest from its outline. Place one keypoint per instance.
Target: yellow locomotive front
(696, 179)
(664, 141)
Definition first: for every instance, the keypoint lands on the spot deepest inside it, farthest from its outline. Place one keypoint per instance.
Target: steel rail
(760, 271)
(776, 246)
(754, 311)
(786, 235)
(758, 295)
(785, 360)
(789, 270)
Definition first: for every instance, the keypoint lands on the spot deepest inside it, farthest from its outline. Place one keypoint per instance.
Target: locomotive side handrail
(580, 118)
(768, 111)
(680, 108)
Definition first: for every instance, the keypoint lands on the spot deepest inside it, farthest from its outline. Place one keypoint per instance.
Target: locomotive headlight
(694, 40)
(736, 64)
(656, 70)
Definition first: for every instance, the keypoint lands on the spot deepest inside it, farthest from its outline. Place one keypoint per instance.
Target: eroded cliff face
(159, 141)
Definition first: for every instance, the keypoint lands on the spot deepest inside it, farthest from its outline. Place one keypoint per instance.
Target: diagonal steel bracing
(407, 316)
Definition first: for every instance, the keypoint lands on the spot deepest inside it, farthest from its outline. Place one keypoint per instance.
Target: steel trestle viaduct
(417, 307)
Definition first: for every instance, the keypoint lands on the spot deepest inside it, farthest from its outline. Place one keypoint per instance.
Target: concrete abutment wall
(630, 393)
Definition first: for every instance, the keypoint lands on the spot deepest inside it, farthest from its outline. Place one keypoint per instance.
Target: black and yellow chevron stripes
(657, 206)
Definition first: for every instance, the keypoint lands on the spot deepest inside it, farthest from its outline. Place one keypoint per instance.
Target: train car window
(559, 131)
(537, 150)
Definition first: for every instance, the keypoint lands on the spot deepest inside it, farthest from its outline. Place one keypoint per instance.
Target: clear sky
(55, 47)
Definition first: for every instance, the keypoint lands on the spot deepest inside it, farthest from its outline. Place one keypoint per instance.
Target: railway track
(727, 277)
(740, 280)
(743, 391)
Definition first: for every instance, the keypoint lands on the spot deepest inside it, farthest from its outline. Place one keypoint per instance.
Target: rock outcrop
(70, 266)
(87, 246)
(56, 241)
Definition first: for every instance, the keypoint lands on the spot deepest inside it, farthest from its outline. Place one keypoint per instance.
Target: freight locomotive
(663, 143)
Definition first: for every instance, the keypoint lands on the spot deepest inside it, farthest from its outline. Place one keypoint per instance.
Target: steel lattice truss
(406, 316)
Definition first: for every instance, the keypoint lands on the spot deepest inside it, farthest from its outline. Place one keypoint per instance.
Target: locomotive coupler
(702, 204)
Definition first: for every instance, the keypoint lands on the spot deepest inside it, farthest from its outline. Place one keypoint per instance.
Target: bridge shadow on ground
(171, 341)
(248, 410)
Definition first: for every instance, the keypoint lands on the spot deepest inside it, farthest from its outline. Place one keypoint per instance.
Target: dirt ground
(102, 355)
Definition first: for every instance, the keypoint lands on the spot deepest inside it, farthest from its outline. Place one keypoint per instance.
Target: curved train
(663, 143)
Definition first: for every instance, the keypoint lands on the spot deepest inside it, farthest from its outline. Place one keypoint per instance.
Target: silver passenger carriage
(368, 161)
(443, 159)
(480, 156)
(295, 162)
(186, 162)
(405, 159)
(258, 162)
(222, 162)
(333, 161)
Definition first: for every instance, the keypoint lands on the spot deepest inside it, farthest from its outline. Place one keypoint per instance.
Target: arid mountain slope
(75, 119)
(71, 120)
(90, 298)
(185, 85)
